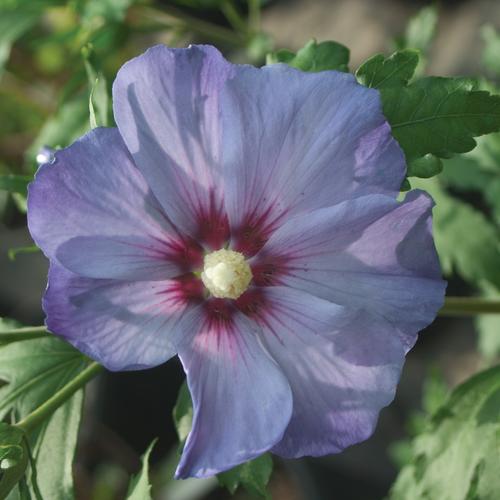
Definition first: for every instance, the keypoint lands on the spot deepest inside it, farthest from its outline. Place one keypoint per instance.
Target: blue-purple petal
(294, 142)
(371, 253)
(122, 325)
(166, 105)
(342, 364)
(242, 402)
(92, 211)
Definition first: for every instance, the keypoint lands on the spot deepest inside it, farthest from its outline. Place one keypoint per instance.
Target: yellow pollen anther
(226, 274)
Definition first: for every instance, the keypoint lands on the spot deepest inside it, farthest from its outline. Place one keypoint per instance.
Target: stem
(173, 17)
(36, 417)
(26, 333)
(469, 306)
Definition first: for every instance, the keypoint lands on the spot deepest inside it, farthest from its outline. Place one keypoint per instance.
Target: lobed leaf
(33, 370)
(456, 458)
(440, 116)
(140, 488)
(395, 70)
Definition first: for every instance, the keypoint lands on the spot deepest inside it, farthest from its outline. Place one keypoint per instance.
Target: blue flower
(246, 220)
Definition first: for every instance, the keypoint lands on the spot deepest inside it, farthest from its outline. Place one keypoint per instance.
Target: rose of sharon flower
(246, 220)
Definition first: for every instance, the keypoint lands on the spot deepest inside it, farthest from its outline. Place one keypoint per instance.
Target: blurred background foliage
(57, 63)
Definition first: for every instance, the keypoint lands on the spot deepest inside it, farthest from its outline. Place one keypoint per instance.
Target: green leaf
(139, 488)
(253, 476)
(440, 116)
(425, 167)
(13, 457)
(54, 447)
(466, 241)
(397, 69)
(34, 370)
(314, 57)
(183, 415)
(456, 458)
(15, 183)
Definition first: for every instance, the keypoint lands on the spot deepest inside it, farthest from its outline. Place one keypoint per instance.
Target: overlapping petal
(166, 105)
(242, 401)
(294, 142)
(298, 171)
(371, 252)
(122, 325)
(342, 364)
(92, 211)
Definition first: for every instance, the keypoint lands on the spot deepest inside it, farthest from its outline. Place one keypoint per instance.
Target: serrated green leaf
(440, 116)
(466, 241)
(456, 458)
(34, 370)
(140, 488)
(183, 414)
(15, 183)
(314, 57)
(253, 476)
(425, 167)
(397, 69)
